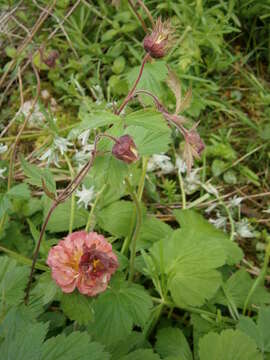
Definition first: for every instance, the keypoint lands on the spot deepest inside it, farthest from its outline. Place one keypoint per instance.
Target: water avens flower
(84, 261)
(125, 149)
(158, 42)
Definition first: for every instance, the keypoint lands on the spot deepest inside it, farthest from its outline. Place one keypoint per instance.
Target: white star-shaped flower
(2, 172)
(86, 196)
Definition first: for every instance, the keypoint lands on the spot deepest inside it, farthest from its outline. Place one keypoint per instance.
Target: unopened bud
(194, 139)
(125, 149)
(158, 42)
(51, 58)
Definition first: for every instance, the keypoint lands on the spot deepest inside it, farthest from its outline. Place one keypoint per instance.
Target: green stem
(136, 232)
(126, 243)
(259, 279)
(89, 221)
(23, 259)
(183, 194)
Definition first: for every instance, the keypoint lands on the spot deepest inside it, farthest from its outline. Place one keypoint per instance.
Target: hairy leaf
(77, 307)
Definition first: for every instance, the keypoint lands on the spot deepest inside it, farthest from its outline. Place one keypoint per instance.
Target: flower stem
(259, 279)
(89, 221)
(136, 232)
(131, 92)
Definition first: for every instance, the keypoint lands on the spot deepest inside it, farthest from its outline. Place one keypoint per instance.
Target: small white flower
(235, 201)
(2, 172)
(62, 144)
(3, 148)
(180, 165)
(85, 196)
(211, 208)
(192, 181)
(51, 156)
(83, 137)
(210, 189)
(244, 229)
(220, 222)
(162, 162)
(37, 118)
(82, 156)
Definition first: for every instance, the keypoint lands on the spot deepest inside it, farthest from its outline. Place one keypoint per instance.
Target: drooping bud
(158, 42)
(51, 59)
(125, 149)
(194, 139)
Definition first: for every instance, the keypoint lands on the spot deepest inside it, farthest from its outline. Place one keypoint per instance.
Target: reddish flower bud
(194, 139)
(125, 149)
(51, 59)
(158, 42)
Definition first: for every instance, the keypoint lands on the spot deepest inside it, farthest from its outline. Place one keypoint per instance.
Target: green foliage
(260, 332)
(77, 307)
(171, 342)
(125, 305)
(230, 344)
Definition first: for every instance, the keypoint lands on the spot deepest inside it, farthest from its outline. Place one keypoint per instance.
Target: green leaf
(116, 218)
(16, 344)
(172, 342)
(20, 191)
(93, 120)
(195, 225)
(46, 288)
(5, 204)
(77, 307)
(76, 346)
(35, 175)
(237, 288)
(190, 259)
(230, 344)
(149, 131)
(132, 342)
(13, 280)
(59, 221)
(260, 332)
(145, 354)
(152, 230)
(125, 305)
(153, 75)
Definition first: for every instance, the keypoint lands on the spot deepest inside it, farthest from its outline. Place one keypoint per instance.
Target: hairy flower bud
(51, 59)
(194, 139)
(125, 149)
(158, 42)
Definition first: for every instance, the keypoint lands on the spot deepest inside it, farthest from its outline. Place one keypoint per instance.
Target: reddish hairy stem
(131, 92)
(133, 7)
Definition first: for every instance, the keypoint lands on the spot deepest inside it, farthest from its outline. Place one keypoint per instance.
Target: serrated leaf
(116, 218)
(76, 346)
(152, 230)
(93, 120)
(196, 226)
(20, 191)
(190, 260)
(13, 279)
(5, 204)
(237, 288)
(260, 332)
(145, 354)
(148, 119)
(172, 342)
(153, 75)
(16, 344)
(35, 175)
(46, 288)
(77, 307)
(125, 305)
(131, 342)
(149, 142)
(230, 344)
(59, 221)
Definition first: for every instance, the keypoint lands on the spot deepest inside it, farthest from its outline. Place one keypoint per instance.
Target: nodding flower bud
(194, 139)
(51, 59)
(158, 42)
(125, 149)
